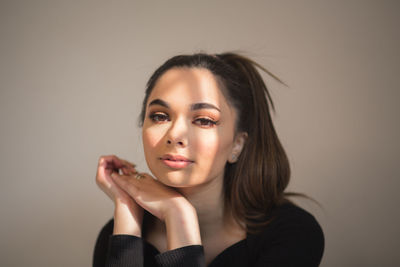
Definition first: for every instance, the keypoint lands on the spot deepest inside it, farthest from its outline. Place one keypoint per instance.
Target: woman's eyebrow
(195, 106)
(159, 102)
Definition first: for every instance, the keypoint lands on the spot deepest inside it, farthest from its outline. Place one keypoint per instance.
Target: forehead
(185, 86)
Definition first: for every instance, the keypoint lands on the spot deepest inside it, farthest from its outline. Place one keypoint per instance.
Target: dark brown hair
(254, 185)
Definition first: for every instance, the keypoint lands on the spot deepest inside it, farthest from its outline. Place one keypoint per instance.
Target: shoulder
(292, 234)
(292, 216)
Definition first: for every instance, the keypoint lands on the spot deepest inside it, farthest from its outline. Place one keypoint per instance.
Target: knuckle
(102, 159)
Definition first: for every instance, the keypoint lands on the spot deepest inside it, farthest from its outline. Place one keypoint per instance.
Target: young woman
(216, 197)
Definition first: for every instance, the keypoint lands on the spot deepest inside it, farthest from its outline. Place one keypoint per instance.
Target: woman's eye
(205, 122)
(158, 117)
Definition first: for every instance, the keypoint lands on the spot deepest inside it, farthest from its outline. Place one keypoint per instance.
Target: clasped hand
(146, 192)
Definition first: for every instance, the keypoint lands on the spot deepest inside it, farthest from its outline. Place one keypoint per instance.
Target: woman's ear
(238, 144)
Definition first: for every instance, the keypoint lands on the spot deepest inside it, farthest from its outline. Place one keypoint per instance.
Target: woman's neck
(217, 231)
(208, 201)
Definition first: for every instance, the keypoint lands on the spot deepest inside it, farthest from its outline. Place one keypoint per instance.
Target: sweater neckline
(227, 250)
(217, 258)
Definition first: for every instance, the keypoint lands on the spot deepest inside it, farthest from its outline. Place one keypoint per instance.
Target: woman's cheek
(153, 135)
(208, 148)
(217, 148)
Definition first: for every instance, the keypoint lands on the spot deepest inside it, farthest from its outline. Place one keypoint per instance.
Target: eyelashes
(158, 117)
(204, 122)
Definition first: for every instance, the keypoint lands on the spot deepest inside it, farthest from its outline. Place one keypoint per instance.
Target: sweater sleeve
(125, 251)
(188, 256)
(117, 250)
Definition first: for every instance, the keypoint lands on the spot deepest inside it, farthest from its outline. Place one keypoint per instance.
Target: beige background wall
(72, 75)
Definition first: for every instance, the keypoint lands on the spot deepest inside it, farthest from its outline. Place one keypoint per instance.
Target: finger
(128, 164)
(127, 171)
(132, 177)
(127, 183)
(114, 164)
(107, 165)
(110, 162)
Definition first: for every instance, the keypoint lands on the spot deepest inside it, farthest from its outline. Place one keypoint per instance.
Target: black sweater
(292, 238)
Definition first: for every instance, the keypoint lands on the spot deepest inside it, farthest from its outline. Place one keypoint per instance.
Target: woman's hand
(108, 165)
(153, 196)
(165, 203)
(128, 215)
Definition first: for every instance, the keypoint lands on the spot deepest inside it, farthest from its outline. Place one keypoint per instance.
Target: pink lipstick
(176, 161)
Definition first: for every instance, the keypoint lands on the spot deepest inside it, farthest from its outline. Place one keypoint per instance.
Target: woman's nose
(177, 134)
(179, 143)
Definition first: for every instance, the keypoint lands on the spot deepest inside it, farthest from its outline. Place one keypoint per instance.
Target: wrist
(127, 219)
(177, 207)
(182, 225)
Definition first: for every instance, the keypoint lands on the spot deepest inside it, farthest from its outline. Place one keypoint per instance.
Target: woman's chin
(175, 180)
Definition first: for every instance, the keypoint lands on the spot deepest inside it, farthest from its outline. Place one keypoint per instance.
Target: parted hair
(254, 185)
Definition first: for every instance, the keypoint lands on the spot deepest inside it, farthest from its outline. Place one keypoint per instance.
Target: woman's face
(189, 128)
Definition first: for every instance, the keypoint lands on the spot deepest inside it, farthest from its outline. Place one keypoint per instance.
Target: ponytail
(254, 185)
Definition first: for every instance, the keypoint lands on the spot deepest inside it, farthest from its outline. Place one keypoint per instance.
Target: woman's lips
(176, 161)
